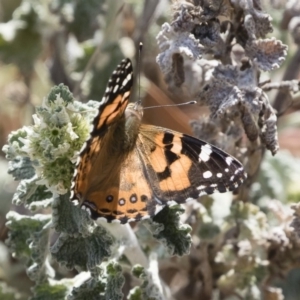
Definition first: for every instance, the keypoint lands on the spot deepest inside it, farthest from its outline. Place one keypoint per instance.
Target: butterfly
(127, 171)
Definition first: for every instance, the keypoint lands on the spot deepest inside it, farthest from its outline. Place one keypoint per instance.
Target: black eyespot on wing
(133, 198)
(144, 198)
(109, 198)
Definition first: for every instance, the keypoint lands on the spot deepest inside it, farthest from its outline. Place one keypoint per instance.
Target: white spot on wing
(125, 81)
(205, 153)
(126, 95)
(115, 88)
(219, 175)
(207, 174)
(75, 173)
(201, 187)
(226, 170)
(83, 147)
(116, 221)
(78, 161)
(228, 160)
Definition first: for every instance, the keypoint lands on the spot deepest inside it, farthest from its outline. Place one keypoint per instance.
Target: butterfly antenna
(139, 71)
(139, 84)
(177, 104)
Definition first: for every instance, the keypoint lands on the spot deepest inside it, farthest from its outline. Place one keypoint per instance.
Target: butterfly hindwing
(181, 167)
(128, 197)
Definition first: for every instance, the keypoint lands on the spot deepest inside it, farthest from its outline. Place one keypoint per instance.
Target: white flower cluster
(52, 143)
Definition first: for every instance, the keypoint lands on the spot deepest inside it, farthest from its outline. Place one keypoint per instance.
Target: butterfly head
(134, 111)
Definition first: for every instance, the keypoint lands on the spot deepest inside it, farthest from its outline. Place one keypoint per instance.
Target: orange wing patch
(179, 179)
(84, 168)
(129, 199)
(112, 112)
(180, 167)
(168, 168)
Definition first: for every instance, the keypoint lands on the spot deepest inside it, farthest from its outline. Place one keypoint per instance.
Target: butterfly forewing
(115, 99)
(111, 109)
(182, 167)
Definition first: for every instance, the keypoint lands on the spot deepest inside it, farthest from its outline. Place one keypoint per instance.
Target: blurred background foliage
(79, 43)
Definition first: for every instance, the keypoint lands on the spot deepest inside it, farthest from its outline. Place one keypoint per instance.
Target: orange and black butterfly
(128, 171)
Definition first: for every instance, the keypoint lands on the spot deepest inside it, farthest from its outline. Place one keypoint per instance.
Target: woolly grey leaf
(22, 230)
(84, 253)
(148, 289)
(115, 281)
(93, 288)
(220, 97)
(40, 270)
(62, 91)
(21, 168)
(70, 219)
(25, 190)
(174, 45)
(267, 54)
(169, 230)
(233, 93)
(49, 291)
(208, 34)
(185, 16)
(257, 22)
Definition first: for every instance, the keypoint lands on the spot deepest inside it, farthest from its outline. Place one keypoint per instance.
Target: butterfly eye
(109, 198)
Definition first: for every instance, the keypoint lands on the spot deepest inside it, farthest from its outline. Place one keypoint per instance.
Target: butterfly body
(127, 170)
